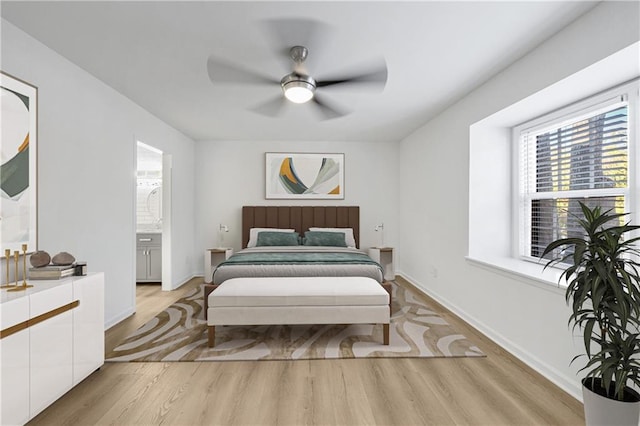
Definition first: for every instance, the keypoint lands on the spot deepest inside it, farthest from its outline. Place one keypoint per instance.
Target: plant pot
(602, 411)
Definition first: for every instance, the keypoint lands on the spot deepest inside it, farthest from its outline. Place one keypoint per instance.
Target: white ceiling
(155, 53)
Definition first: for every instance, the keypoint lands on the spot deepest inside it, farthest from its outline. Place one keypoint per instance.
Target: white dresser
(51, 338)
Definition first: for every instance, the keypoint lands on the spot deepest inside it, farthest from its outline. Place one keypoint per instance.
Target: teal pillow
(316, 238)
(266, 238)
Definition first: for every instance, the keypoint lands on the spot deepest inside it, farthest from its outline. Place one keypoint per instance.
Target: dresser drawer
(55, 297)
(144, 240)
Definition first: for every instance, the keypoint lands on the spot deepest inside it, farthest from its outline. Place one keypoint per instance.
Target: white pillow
(253, 234)
(348, 234)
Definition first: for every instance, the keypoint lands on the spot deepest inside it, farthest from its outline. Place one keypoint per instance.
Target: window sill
(528, 272)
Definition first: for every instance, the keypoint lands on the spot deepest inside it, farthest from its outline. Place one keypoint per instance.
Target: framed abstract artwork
(18, 168)
(304, 175)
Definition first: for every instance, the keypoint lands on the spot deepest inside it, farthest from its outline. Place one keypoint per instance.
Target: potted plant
(603, 290)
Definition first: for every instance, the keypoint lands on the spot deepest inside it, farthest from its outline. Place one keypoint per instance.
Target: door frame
(166, 215)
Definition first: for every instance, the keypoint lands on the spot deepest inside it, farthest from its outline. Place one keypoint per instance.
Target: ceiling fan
(298, 86)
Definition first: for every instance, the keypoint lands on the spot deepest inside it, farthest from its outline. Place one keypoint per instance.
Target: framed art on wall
(304, 175)
(18, 167)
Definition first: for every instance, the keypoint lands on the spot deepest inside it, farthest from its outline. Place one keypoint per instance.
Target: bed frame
(300, 218)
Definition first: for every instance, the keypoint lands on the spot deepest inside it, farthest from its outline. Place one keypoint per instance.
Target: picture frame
(304, 176)
(18, 166)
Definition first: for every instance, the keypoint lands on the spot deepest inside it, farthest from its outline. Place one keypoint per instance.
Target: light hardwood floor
(496, 390)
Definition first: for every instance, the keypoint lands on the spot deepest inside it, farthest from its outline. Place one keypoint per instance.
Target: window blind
(580, 160)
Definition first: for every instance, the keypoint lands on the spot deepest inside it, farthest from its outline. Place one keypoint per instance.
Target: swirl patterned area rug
(179, 333)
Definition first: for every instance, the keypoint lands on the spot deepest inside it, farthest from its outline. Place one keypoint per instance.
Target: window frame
(628, 93)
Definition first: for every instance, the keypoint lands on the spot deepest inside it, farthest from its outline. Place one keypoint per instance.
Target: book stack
(51, 272)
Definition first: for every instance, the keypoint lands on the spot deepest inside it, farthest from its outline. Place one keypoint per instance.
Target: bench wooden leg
(385, 334)
(212, 335)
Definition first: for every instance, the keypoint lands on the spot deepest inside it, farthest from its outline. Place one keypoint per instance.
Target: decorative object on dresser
(39, 258)
(7, 256)
(16, 287)
(81, 268)
(603, 288)
(52, 272)
(24, 267)
(63, 258)
(18, 209)
(304, 175)
(62, 265)
(24, 285)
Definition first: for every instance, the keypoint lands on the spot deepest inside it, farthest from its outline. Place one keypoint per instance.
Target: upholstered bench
(298, 300)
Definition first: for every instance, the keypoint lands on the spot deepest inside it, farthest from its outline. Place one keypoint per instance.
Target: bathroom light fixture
(298, 88)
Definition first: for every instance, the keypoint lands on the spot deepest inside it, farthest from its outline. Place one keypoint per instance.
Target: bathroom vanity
(148, 257)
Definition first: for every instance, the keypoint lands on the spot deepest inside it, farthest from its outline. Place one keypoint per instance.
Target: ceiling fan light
(298, 92)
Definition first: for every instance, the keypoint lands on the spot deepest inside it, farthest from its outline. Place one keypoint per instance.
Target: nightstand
(212, 258)
(384, 256)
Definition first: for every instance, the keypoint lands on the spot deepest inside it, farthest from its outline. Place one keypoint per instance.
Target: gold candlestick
(7, 255)
(24, 267)
(16, 255)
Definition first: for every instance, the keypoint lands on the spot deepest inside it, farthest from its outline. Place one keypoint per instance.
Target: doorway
(150, 225)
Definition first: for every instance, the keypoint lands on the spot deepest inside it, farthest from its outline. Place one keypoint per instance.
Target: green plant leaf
(603, 291)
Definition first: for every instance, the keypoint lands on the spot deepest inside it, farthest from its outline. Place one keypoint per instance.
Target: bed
(287, 258)
(276, 261)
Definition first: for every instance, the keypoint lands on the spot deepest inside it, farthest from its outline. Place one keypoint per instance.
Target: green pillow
(316, 238)
(266, 238)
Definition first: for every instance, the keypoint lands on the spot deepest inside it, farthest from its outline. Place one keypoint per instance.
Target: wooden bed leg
(212, 335)
(208, 288)
(385, 334)
(385, 327)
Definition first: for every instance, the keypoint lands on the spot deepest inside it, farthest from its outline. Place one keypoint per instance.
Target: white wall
(230, 175)
(527, 318)
(86, 169)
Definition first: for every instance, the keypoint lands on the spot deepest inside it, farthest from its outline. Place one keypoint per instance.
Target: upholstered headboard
(300, 218)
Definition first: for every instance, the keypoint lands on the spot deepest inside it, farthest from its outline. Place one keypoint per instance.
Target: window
(581, 153)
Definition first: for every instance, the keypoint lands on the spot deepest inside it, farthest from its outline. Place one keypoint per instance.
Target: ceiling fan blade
(378, 77)
(224, 72)
(271, 108)
(327, 110)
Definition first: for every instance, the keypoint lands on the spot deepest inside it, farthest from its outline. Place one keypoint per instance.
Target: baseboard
(569, 385)
(118, 318)
(185, 280)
